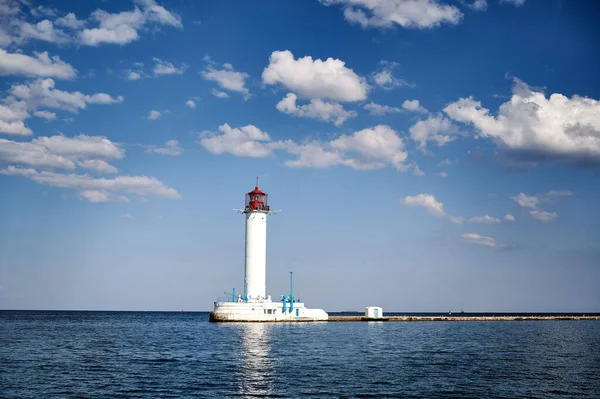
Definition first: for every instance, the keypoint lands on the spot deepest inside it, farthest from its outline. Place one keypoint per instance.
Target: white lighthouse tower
(255, 304)
(255, 274)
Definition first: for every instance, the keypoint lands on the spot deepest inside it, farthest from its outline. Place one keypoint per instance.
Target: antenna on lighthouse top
(256, 181)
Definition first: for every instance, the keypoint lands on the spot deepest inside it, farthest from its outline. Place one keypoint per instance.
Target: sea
(68, 354)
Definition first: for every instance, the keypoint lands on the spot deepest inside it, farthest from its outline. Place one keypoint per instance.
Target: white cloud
(98, 165)
(559, 193)
(49, 116)
(406, 13)
(126, 216)
(509, 218)
(102, 196)
(81, 146)
(42, 65)
(32, 154)
(166, 68)
(62, 152)
(542, 215)
(435, 128)
(380, 110)
(219, 94)
(443, 174)
(415, 106)
(375, 147)
(154, 114)
(447, 162)
(556, 127)
(119, 35)
(367, 149)
(132, 75)
(316, 109)
(248, 141)
(41, 11)
(190, 104)
(478, 5)
(516, 3)
(95, 195)
(227, 78)
(171, 147)
(140, 185)
(43, 30)
(329, 79)
(480, 240)
(41, 93)
(533, 202)
(526, 201)
(385, 78)
(486, 219)
(70, 21)
(12, 116)
(122, 28)
(432, 205)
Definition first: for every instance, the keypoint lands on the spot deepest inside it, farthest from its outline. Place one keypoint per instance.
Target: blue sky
(425, 154)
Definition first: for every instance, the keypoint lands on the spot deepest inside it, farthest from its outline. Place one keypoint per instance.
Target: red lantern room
(256, 200)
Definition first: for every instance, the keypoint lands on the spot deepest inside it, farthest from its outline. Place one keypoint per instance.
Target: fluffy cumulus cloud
(316, 109)
(100, 27)
(433, 206)
(248, 141)
(385, 78)
(533, 202)
(477, 5)
(407, 105)
(12, 117)
(62, 152)
(405, 13)
(480, 240)
(517, 3)
(70, 21)
(526, 201)
(486, 219)
(227, 78)
(543, 215)
(40, 65)
(509, 218)
(531, 124)
(315, 79)
(162, 67)
(154, 115)
(436, 128)
(40, 159)
(122, 28)
(219, 94)
(190, 104)
(367, 149)
(415, 106)
(42, 93)
(171, 147)
(47, 115)
(380, 110)
(140, 185)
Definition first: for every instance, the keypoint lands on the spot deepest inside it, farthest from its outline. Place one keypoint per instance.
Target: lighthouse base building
(255, 305)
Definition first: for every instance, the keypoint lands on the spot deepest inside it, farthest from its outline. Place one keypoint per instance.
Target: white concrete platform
(265, 311)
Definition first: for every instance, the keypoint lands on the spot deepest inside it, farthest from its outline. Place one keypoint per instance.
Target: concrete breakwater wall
(461, 318)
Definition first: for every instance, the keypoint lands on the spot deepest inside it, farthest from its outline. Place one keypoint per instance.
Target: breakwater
(461, 318)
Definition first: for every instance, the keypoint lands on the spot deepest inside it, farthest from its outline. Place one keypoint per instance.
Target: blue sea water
(181, 355)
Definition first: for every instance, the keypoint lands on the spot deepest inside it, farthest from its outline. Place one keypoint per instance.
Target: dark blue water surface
(182, 355)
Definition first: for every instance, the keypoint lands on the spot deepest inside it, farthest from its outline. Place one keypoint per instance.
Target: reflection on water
(257, 365)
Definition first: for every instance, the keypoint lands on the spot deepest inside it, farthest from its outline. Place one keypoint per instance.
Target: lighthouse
(255, 272)
(255, 304)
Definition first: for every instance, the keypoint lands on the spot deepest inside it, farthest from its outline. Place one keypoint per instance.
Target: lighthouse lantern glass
(257, 201)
